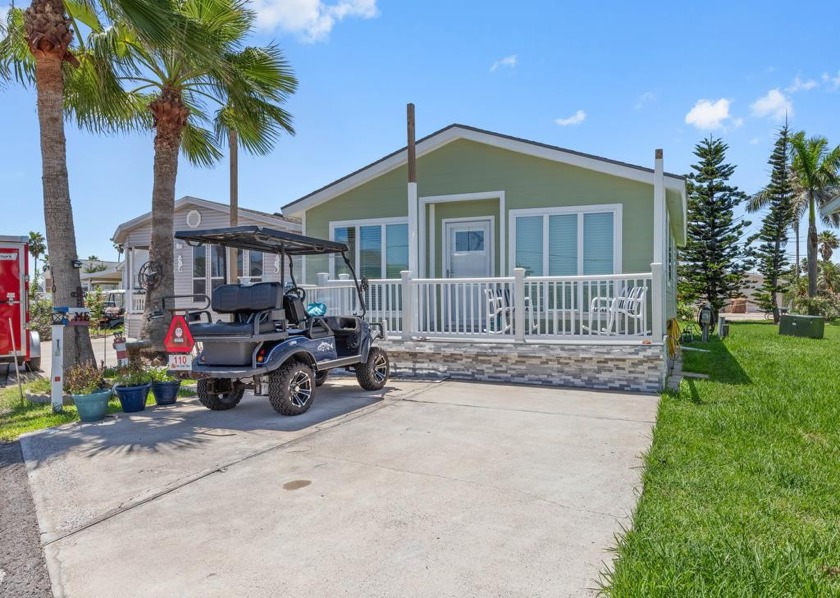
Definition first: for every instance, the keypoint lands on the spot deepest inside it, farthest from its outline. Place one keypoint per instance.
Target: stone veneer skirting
(625, 367)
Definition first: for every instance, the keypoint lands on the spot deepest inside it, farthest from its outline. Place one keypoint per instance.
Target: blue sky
(615, 79)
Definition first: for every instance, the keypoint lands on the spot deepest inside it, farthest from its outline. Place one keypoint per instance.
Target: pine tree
(715, 260)
(772, 262)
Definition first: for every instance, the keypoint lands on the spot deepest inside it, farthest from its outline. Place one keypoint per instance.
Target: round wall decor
(193, 218)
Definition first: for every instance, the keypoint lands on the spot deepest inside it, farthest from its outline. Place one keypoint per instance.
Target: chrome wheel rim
(300, 389)
(380, 368)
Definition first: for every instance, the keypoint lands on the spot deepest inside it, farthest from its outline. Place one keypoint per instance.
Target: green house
(586, 244)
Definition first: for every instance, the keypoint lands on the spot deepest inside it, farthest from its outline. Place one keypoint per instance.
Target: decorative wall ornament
(180, 264)
(276, 264)
(193, 218)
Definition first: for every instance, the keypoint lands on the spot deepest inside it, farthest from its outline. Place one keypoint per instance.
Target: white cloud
(507, 61)
(709, 115)
(644, 99)
(773, 105)
(800, 85)
(833, 81)
(575, 119)
(311, 20)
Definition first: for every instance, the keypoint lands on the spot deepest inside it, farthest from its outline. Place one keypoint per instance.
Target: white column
(659, 209)
(519, 304)
(407, 305)
(657, 293)
(413, 250)
(659, 238)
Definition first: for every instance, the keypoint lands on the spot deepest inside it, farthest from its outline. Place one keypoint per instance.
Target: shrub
(95, 302)
(83, 379)
(826, 305)
(161, 374)
(132, 376)
(40, 317)
(686, 311)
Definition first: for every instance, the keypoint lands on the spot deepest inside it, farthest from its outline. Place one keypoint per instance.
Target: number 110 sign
(180, 361)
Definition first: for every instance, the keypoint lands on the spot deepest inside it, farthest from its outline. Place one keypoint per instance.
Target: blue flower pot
(133, 398)
(92, 407)
(166, 393)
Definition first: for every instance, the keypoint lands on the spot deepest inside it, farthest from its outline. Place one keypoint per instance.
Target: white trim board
(432, 200)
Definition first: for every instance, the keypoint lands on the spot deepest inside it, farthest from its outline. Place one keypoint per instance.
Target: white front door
(469, 248)
(468, 251)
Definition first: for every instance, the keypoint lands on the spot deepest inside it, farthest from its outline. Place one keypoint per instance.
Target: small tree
(778, 198)
(37, 248)
(714, 261)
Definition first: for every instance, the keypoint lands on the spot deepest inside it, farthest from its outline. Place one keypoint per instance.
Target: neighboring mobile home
(197, 269)
(586, 244)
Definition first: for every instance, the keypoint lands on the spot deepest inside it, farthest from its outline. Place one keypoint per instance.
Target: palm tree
(799, 207)
(38, 49)
(816, 169)
(828, 242)
(172, 90)
(829, 277)
(37, 248)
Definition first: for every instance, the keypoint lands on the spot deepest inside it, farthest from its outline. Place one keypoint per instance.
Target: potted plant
(84, 383)
(165, 386)
(132, 388)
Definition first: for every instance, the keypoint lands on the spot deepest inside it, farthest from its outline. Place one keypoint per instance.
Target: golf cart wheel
(291, 388)
(321, 377)
(218, 394)
(373, 374)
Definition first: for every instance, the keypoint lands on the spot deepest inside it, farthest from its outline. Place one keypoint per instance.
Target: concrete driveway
(423, 489)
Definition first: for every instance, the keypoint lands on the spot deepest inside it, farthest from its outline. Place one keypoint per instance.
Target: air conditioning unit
(807, 326)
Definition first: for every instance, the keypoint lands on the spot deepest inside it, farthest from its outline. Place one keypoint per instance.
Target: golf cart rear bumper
(216, 371)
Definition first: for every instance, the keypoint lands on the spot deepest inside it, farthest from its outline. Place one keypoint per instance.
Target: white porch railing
(137, 303)
(616, 306)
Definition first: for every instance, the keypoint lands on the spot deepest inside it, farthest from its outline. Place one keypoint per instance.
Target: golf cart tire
(373, 374)
(35, 364)
(218, 401)
(321, 377)
(284, 386)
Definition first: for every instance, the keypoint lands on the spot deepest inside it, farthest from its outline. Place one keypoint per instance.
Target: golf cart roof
(258, 238)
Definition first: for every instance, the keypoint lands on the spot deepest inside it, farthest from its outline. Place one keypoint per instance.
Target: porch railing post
(657, 290)
(322, 278)
(407, 305)
(519, 304)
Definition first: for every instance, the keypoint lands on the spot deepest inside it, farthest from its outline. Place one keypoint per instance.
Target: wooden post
(413, 245)
(660, 238)
(233, 274)
(407, 305)
(519, 304)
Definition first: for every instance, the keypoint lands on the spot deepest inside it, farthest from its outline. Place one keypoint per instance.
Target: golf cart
(273, 345)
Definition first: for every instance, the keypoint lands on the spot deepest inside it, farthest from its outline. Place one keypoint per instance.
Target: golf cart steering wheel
(297, 292)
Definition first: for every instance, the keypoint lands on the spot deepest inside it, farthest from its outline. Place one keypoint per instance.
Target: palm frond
(198, 146)
(16, 60)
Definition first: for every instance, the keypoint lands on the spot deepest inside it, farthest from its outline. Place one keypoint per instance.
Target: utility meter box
(807, 326)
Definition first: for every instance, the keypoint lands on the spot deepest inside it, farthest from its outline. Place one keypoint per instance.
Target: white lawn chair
(500, 310)
(628, 306)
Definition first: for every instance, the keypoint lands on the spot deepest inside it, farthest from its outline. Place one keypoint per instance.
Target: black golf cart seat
(256, 310)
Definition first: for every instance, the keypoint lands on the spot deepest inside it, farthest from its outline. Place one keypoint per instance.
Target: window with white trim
(209, 269)
(376, 249)
(250, 263)
(567, 242)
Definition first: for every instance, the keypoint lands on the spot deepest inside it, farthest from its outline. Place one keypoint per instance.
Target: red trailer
(15, 337)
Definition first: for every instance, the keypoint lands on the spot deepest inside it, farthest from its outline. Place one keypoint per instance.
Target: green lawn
(742, 483)
(17, 418)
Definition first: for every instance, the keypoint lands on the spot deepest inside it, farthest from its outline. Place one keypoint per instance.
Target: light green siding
(469, 167)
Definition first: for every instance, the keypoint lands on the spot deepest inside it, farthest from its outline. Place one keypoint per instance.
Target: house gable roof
(455, 132)
(275, 220)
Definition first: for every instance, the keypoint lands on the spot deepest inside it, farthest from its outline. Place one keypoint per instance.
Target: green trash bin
(807, 326)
